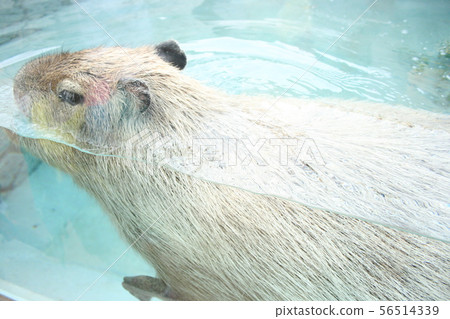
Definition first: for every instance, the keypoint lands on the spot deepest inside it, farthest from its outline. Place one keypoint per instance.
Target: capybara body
(207, 241)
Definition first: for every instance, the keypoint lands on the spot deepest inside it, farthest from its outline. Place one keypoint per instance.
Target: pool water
(54, 239)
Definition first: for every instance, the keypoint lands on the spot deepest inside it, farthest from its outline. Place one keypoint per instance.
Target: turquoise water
(395, 53)
(54, 239)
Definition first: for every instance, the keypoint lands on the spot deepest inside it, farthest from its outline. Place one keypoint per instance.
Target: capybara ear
(170, 52)
(138, 90)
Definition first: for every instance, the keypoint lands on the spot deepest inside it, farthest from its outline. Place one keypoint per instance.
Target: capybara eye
(70, 97)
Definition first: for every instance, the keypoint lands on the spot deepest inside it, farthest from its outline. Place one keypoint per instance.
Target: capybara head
(99, 89)
(98, 98)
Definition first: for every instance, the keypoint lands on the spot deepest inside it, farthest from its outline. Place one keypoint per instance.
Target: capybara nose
(23, 102)
(22, 94)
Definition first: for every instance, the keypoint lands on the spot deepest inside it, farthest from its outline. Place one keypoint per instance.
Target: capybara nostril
(24, 104)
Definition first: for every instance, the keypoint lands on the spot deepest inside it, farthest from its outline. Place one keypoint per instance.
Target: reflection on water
(377, 59)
